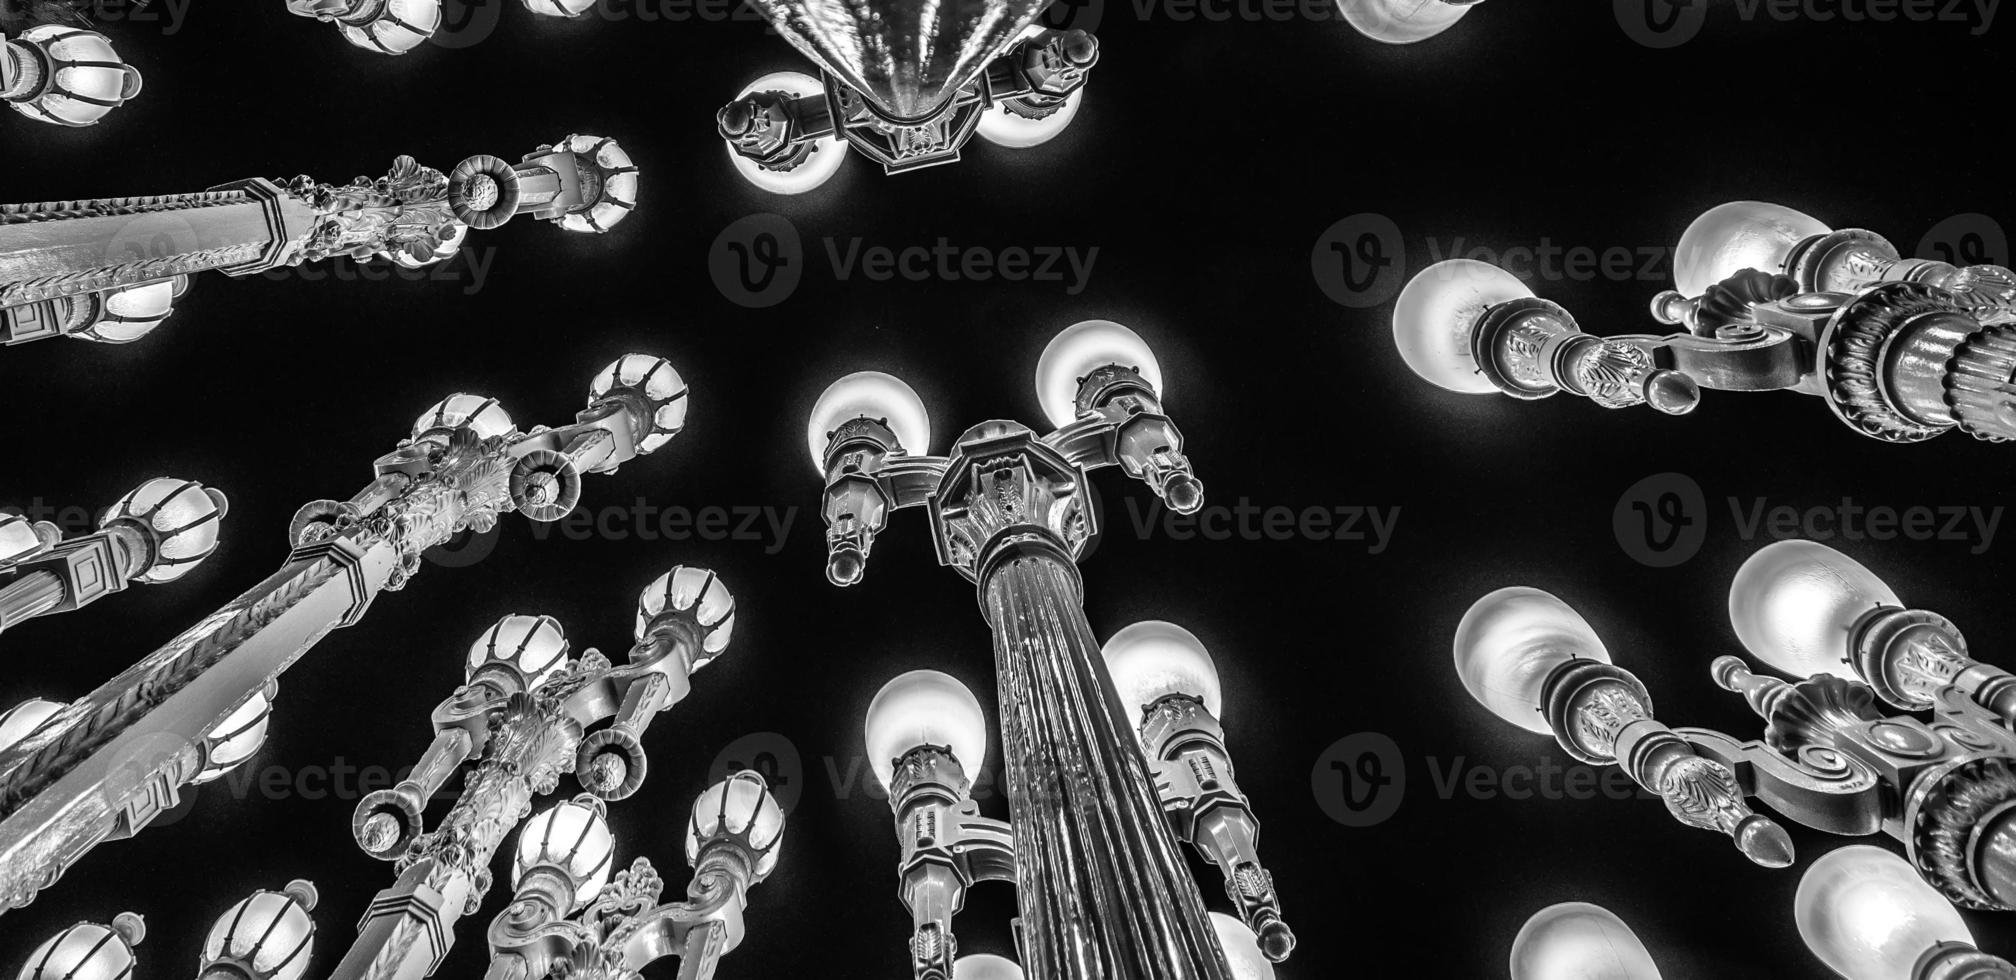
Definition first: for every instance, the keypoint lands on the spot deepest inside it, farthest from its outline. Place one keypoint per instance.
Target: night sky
(1213, 166)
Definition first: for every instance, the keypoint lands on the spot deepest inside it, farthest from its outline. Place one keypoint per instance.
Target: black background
(1208, 161)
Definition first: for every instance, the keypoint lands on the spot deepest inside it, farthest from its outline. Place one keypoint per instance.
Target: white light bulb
(1081, 349)
(1795, 605)
(1730, 238)
(985, 966)
(1402, 21)
(925, 707)
(876, 396)
(1003, 128)
(1510, 641)
(817, 168)
(1438, 311)
(1868, 916)
(1153, 660)
(1242, 949)
(1579, 941)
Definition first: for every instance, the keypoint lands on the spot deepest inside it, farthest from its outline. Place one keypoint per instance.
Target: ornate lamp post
(268, 936)
(1102, 887)
(906, 85)
(157, 533)
(521, 718)
(1404, 21)
(106, 269)
(1901, 350)
(397, 26)
(552, 929)
(107, 764)
(1831, 758)
(63, 75)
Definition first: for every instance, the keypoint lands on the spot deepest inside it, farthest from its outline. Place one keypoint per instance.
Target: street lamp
(157, 533)
(63, 75)
(109, 763)
(268, 936)
(109, 270)
(1901, 350)
(1404, 21)
(1831, 758)
(1106, 898)
(396, 27)
(1579, 941)
(1865, 914)
(906, 85)
(522, 718)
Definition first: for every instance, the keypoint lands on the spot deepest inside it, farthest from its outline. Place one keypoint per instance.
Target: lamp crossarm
(1824, 790)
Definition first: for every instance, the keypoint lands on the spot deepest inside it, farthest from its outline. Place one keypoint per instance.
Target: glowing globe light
(614, 182)
(1004, 128)
(985, 966)
(739, 807)
(1153, 660)
(88, 951)
(270, 932)
(817, 168)
(133, 312)
(1868, 916)
(1081, 349)
(572, 839)
(1579, 941)
(1510, 641)
(920, 708)
(1402, 21)
(1437, 313)
(184, 517)
(1242, 949)
(398, 26)
(237, 738)
(533, 646)
(658, 382)
(75, 77)
(874, 395)
(1730, 238)
(21, 721)
(1795, 605)
(481, 415)
(695, 590)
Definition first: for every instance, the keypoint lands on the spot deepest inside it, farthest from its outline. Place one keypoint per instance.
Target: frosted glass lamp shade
(1402, 21)
(1510, 641)
(535, 646)
(1579, 941)
(1730, 238)
(235, 739)
(695, 590)
(1081, 349)
(1868, 916)
(1003, 128)
(83, 78)
(739, 806)
(874, 395)
(1438, 311)
(400, 27)
(1795, 605)
(818, 167)
(1242, 949)
(271, 932)
(20, 721)
(21, 538)
(1153, 660)
(184, 518)
(985, 966)
(617, 197)
(572, 837)
(658, 381)
(925, 707)
(482, 415)
(134, 311)
(88, 951)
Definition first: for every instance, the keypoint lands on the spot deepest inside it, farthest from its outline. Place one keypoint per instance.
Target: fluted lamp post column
(521, 718)
(157, 533)
(1901, 350)
(1101, 883)
(562, 924)
(107, 269)
(114, 759)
